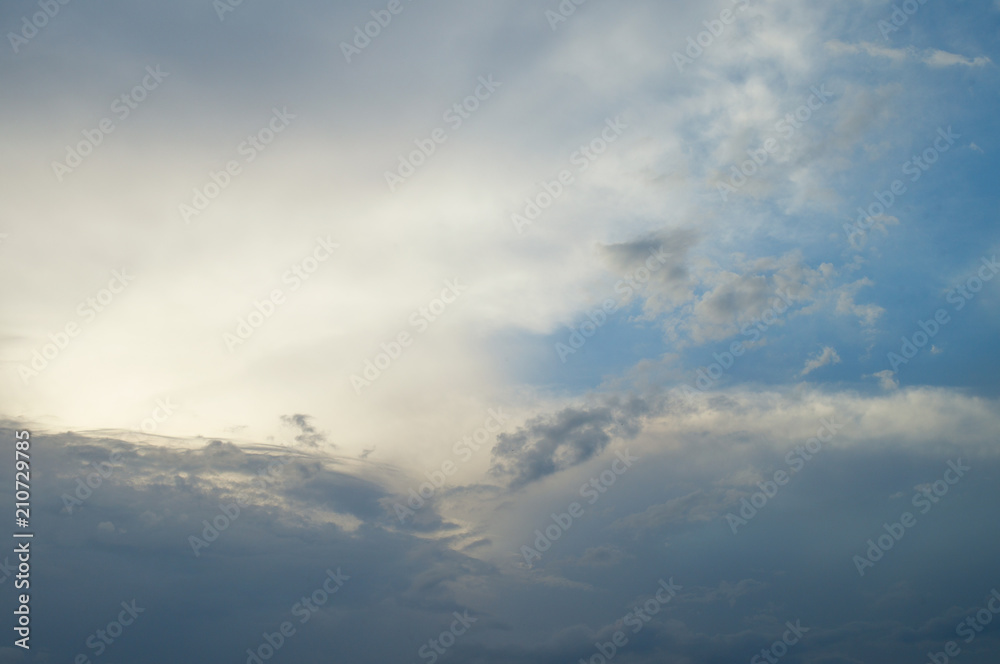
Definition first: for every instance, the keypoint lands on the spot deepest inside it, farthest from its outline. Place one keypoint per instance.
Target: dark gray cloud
(672, 246)
(308, 435)
(130, 539)
(550, 443)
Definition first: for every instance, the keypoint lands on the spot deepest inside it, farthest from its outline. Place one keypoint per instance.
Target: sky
(529, 332)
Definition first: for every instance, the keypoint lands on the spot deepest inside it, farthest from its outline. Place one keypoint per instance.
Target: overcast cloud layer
(503, 332)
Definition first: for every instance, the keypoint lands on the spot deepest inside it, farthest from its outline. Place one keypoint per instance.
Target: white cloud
(826, 356)
(887, 379)
(895, 54)
(931, 57)
(944, 59)
(867, 313)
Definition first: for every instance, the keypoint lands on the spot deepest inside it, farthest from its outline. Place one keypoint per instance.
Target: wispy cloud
(825, 357)
(930, 57)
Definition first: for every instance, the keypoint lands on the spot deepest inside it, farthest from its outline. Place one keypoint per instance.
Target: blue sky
(206, 275)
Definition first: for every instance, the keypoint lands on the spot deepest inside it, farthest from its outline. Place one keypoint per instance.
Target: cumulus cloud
(867, 314)
(723, 301)
(548, 444)
(666, 255)
(828, 355)
(308, 435)
(282, 506)
(887, 379)
(290, 531)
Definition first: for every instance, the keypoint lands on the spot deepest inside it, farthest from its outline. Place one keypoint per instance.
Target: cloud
(696, 506)
(723, 301)
(605, 555)
(766, 251)
(546, 445)
(868, 314)
(289, 532)
(895, 54)
(887, 379)
(669, 281)
(931, 57)
(826, 356)
(274, 546)
(938, 58)
(308, 435)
